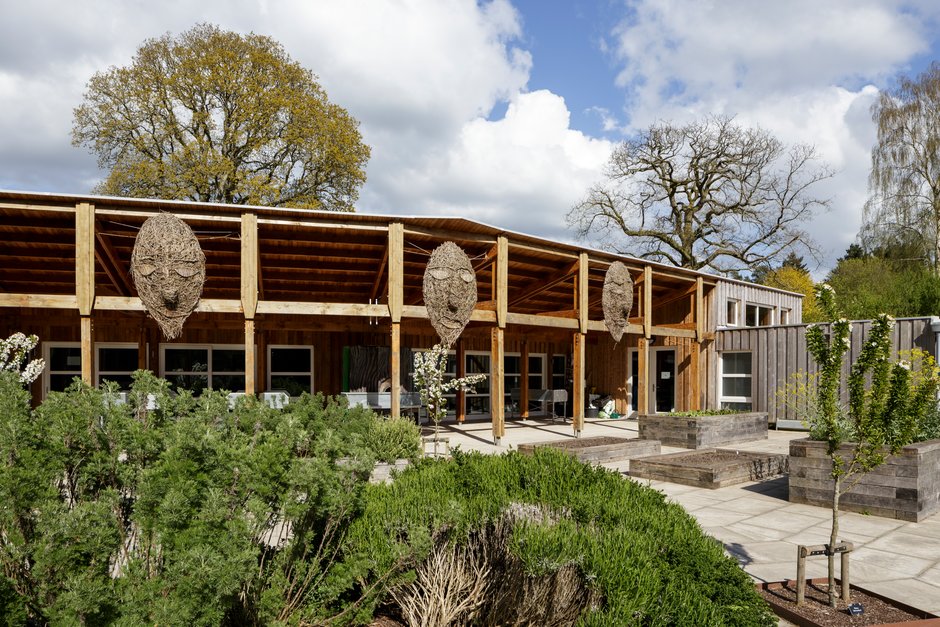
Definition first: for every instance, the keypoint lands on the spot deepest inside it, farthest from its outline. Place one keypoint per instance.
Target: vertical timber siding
(778, 352)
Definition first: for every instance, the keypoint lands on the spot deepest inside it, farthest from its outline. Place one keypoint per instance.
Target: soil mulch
(718, 458)
(816, 606)
(580, 443)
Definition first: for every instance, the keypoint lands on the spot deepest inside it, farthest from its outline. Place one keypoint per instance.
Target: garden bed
(700, 431)
(709, 468)
(815, 610)
(599, 450)
(905, 487)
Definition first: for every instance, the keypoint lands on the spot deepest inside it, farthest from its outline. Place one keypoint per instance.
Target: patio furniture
(556, 396)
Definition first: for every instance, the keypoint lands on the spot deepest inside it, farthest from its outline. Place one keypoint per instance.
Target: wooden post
(699, 310)
(524, 383)
(695, 383)
(497, 384)
(251, 361)
(502, 281)
(648, 302)
(846, 580)
(396, 370)
(249, 295)
(461, 409)
(88, 350)
(577, 386)
(577, 352)
(85, 284)
(800, 574)
(396, 296)
(642, 374)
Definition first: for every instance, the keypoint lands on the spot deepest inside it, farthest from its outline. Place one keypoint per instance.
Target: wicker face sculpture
(169, 270)
(617, 299)
(450, 291)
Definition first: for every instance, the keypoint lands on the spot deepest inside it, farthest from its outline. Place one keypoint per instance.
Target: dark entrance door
(664, 379)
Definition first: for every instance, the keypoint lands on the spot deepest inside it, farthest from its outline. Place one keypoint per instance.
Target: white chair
(276, 399)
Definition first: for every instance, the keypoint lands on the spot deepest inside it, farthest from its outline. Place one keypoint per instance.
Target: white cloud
(803, 70)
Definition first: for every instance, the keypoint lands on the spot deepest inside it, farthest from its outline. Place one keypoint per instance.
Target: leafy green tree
(793, 279)
(216, 116)
(879, 420)
(709, 194)
(870, 285)
(904, 206)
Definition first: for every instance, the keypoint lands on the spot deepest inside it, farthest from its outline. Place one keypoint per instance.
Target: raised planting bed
(599, 450)
(709, 468)
(703, 431)
(815, 610)
(905, 487)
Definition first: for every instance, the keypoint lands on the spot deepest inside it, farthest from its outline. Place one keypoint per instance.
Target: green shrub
(645, 559)
(394, 438)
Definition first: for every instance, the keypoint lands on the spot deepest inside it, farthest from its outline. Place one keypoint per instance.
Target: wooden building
(291, 296)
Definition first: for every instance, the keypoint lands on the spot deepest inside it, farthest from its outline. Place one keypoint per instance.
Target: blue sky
(502, 111)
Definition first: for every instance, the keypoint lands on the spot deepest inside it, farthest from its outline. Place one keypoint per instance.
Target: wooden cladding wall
(779, 352)
(756, 294)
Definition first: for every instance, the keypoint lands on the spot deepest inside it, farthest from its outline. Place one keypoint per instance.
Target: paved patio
(757, 524)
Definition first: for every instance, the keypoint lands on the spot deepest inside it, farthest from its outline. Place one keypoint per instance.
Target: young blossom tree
(14, 351)
(430, 367)
(709, 194)
(879, 420)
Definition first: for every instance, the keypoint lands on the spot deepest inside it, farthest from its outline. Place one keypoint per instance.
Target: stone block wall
(905, 487)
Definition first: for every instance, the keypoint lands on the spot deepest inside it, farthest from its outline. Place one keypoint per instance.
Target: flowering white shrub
(430, 367)
(13, 352)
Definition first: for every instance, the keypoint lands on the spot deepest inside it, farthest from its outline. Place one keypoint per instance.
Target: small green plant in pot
(430, 367)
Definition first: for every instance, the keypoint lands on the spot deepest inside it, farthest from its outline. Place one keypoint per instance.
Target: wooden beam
(488, 259)
(85, 257)
(539, 286)
(582, 294)
(688, 291)
(322, 309)
(381, 275)
(502, 281)
(497, 384)
(249, 266)
(647, 301)
(541, 321)
(396, 270)
(578, 383)
(104, 253)
(39, 301)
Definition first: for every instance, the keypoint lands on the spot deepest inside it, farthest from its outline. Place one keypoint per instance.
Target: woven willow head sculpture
(617, 299)
(169, 270)
(450, 291)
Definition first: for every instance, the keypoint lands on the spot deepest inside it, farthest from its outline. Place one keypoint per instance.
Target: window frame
(722, 375)
(272, 372)
(106, 345)
(210, 370)
(735, 320)
(48, 372)
(759, 307)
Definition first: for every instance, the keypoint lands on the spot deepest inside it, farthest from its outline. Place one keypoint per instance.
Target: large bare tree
(217, 116)
(709, 194)
(903, 210)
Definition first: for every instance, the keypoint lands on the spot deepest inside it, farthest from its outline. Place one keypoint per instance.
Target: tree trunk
(833, 538)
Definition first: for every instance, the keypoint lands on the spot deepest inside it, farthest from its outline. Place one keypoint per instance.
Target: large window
(758, 315)
(736, 381)
(63, 363)
(116, 362)
(290, 368)
(196, 368)
(478, 399)
(559, 372)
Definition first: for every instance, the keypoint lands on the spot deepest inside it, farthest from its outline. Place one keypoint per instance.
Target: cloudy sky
(504, 111)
